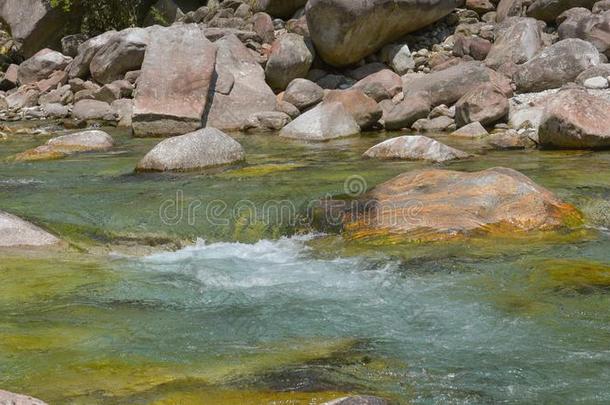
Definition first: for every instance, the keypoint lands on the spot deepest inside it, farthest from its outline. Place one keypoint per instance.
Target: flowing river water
(172, 292)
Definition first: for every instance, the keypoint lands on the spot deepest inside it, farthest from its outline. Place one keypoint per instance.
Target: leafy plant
(97, 16)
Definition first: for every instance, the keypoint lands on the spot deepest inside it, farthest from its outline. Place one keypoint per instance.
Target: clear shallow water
(296, 318)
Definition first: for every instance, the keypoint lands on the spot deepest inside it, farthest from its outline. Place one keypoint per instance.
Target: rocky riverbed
(199, 166)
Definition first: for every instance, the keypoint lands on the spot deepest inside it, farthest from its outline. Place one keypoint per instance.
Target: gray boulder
(303, 93)
(346, 31)
(15, 232)
(549, 10)
(449, 85)
(10, 78)
(123, 110)
(472, 130)
(201, 149)
(381, 85)
(556, 65)
(290, 58)
(172, 97)
(79, 68)
(123, 52)
(406, 113)
(416, 147)
(262, 24)
(511, 8)
(266, 121)
(575, 119)
(56, 110)
(41, 66)
(517, 41)
(510, 140)
(24, 97)
(594, 28)
(485, 104)
(93, 110)
(240, 89)
(438, 124)
(34, 24)
(602, 70)
(86, 141)
(324, 122)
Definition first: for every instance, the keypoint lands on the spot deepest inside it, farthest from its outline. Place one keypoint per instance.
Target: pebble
(596, 83)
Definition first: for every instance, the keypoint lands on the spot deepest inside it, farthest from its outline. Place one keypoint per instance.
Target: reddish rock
(381, 85)
(240, 89)
(575, 119)
(363, 109)
(172, 97)
(41, 66)
(485, 104)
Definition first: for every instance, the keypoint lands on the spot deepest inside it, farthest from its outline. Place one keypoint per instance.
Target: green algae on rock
(571, 275)
(428, 205)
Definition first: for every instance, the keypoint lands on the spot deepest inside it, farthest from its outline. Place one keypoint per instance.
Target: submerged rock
(441, 204)
(416, 147)
(324, 122)
(15, 232)
(61, 146)
(510, 139)
(571, 275)
(358, 400)
(204, 148)
(85, 141)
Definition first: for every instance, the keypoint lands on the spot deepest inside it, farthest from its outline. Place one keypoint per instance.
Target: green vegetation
(97, 16)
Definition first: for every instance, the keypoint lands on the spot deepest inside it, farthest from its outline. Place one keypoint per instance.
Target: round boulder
(201, 149)
(290, 58)
(427, 205)
(416, 147)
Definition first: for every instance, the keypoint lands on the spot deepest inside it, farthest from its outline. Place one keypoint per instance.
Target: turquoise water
(251, 312)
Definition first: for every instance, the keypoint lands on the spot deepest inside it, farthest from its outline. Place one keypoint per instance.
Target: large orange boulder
(441, 204)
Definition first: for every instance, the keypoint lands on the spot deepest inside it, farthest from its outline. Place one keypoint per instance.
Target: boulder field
(260, 65)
